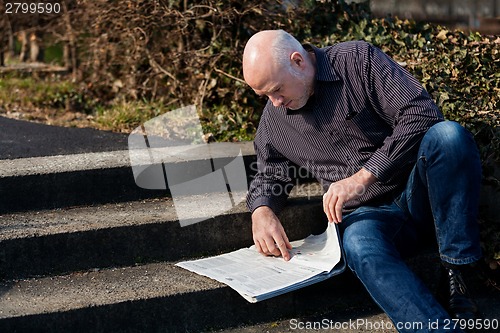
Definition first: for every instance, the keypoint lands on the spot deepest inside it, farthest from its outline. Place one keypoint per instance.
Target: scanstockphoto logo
(204, 179)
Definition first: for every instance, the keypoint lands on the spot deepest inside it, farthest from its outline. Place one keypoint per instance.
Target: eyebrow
(270, 91)
(273, 89)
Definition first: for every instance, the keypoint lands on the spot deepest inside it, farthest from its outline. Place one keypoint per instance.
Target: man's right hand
(268, 233)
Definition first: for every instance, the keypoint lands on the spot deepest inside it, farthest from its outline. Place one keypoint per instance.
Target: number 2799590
(32, 8)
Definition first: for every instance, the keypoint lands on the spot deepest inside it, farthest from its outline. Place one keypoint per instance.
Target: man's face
(284, 88)
(288, 85)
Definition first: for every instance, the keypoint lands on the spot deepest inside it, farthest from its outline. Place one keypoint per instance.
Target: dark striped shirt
(366, 111)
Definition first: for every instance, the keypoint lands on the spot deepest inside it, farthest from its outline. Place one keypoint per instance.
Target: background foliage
(178, 54)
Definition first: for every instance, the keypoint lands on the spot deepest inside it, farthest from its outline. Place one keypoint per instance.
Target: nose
(276, 100)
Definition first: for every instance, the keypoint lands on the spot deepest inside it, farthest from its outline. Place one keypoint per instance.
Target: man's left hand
(345, 190)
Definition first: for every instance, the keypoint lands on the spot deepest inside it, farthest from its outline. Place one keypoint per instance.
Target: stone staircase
(83, 249)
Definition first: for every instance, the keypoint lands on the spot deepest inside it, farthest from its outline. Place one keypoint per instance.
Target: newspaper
(257, 277)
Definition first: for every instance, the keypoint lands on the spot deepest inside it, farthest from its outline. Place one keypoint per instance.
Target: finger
(326, 199)
(338, 210)
(286, 246)
(287, 242)
(257, 246)
(331, 209)
(283, 250)
(271, 247)
(265, 250)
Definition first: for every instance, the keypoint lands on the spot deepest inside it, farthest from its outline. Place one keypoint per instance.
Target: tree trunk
(3, 39)
(71, 41)
(36, 48)
(23, 39)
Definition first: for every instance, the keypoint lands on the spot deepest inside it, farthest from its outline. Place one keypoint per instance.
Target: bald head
(268, 51)
(276, 65)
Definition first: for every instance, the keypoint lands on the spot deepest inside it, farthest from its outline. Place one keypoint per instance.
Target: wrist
(364, 177)
(262, 210)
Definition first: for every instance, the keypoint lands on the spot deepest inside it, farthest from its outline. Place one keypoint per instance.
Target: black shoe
(454, 295)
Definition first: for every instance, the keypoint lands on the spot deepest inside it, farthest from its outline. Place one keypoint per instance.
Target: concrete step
(94, 178)
(155, 297)
(63, 240)
(160, 297)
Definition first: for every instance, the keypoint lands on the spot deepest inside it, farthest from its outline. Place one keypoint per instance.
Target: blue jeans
(441, 196)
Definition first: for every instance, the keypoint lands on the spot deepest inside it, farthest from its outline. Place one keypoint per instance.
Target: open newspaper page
(257, 277)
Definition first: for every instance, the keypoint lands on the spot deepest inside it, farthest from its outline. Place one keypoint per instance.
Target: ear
(297, 59)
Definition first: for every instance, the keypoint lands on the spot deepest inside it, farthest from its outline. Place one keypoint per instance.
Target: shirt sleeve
(405, 105)
(272, 183)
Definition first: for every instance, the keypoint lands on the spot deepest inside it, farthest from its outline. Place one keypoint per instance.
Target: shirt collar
(324, 69)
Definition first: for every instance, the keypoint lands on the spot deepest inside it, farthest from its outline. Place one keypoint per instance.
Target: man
(391, 168)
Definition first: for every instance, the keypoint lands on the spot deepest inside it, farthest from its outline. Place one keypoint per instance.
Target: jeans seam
(465, 261)
(436, 227)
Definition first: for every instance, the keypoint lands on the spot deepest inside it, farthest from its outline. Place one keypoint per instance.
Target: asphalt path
(20, 139)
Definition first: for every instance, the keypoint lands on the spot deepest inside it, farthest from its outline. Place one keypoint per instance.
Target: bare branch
(229, 76)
